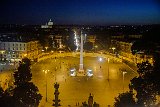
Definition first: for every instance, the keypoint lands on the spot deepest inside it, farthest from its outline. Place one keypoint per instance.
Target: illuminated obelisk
(81, 70)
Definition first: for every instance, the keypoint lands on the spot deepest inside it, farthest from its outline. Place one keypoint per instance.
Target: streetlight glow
(108, 68)
(100, 59)
(46, 48)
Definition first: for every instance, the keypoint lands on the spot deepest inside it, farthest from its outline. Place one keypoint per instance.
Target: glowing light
(100, 59)
(89, 72)
(45, 71)
(96, 46)
(25, 55)
(76, 41)
(46, 48)
(73, 72)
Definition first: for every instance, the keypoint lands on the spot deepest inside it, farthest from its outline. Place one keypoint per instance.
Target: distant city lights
(76, 41)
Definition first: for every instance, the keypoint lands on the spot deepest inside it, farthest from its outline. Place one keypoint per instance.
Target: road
(77, 89)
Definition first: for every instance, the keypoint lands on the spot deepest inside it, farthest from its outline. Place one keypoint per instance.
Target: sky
(83, 12)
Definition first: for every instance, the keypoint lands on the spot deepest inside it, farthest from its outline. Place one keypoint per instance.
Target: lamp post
(108, 68)
(113, 48)
(46, 71)
(46, 48)
(95, 47)
(123, 72)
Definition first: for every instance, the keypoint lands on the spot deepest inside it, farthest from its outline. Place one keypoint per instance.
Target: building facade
(124, 50)
(15, 51)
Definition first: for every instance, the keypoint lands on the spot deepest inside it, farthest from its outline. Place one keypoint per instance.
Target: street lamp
(95, 47)
(108, 68)
(113, 48)
(46, 71)
(46, 48)
(123, 72)
(100, 59)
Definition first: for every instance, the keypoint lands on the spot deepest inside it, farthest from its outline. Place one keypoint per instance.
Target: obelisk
(81, 70)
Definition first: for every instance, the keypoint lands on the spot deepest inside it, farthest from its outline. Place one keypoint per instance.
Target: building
(48, 25)
(14, 51)
(124, 49)
(135, 36)
(91, 38)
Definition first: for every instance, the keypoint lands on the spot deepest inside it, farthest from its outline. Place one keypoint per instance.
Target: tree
(139, 45)
(155, 75)
(144, 69)
(143, 85)
(6, 100)
(125, 100)
(23, 74)
(25, 93)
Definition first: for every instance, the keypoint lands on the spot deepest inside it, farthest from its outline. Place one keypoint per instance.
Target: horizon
(114, 25)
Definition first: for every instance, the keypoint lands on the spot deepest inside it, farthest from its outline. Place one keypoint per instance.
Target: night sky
(84, 12)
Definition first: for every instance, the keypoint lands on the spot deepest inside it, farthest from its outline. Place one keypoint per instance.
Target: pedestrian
(78, 103)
